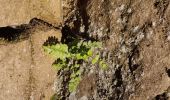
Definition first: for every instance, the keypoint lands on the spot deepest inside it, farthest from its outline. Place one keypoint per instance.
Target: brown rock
(16, 12)
(26, 71)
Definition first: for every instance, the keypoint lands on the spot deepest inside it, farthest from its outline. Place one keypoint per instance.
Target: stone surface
(15, 62)
(135, 34)
(26, 72)
(42, 70)
(16, 12)
(138, 33)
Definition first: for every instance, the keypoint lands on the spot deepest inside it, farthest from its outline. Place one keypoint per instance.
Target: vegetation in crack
(70, 57)
(70, 54)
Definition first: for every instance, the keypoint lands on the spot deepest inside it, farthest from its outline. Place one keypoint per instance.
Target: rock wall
(26, 72)
(136, 34)
(16, 12)
(136, 37)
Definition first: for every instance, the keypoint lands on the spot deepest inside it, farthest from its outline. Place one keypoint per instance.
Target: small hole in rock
(168, 72)
(161, 97)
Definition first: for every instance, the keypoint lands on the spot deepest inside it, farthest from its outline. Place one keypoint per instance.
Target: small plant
(70, 56)
(103, 65)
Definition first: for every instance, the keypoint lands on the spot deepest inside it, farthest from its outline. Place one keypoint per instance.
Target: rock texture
(136, 34)
(16, 12)
(136, 38)
(26, 72)
(15, 62)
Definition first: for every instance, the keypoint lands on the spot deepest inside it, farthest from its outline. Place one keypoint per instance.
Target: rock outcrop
(16, 12)
(26, 72)
(136, 35)
(136, 38)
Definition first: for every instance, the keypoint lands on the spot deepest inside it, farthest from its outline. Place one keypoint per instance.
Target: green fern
(58, 51)
(76, 51)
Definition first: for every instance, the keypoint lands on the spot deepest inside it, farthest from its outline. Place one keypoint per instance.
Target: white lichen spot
(72, 96)
(154, 24)
(148, 35)
(124, 20)
(119, 56)
(101, 29)
(84, 98)
(74, 18)
(142, 74)
(129, 10)
(91, 71)
(112, 36)
(31, 96)
(123, 49)
(98, 7)
(111, 11)
(119, 20)
(168, 94)
(121, 39)
(136, 29)
(148, 98)
(168, 36)
(82, 29)
(143, 87)
(122, 7)
(100, 33)
(117, 9)
(140, 36)
(131, 40)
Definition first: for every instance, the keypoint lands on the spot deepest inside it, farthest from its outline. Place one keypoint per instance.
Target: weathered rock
(26, 72)
(16, 12)
(42, 70)
(15, 62)
(137, 32)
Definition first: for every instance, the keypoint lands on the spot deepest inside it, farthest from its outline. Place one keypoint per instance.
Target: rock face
(15, 64)
(16, 12)
(137, 36)
(26, 72)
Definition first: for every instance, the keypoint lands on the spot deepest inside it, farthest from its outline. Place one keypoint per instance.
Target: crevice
(131, 65)
(31, 82)
(163, 96)
(22, 32)
(69, 35)
(118, 77)
(161, 6)
(17, 33)
(167, 71)
(80, 20)
(82, 5)
(13, 33)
